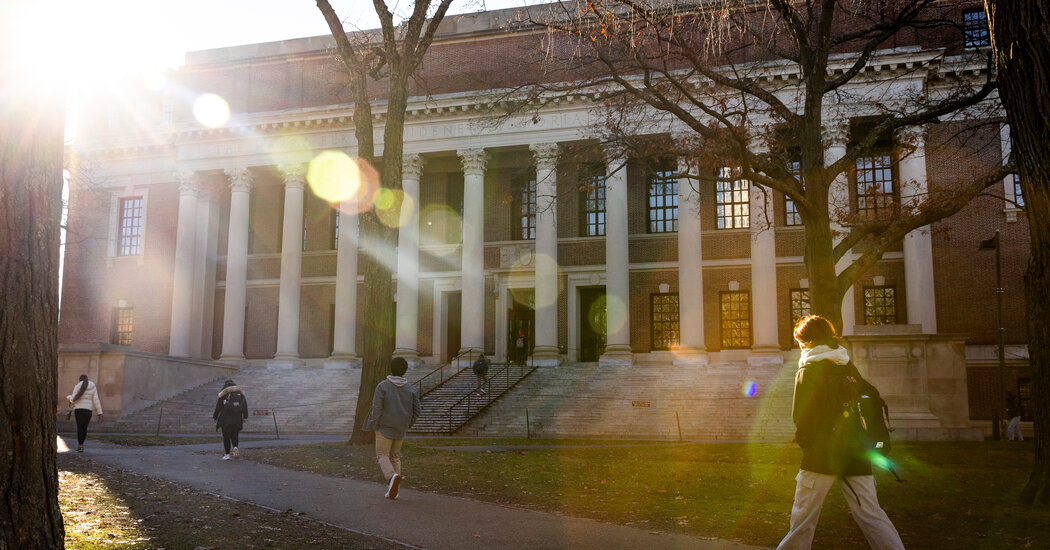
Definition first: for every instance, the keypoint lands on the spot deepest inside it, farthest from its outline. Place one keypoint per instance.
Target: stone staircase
(300, 400)
(646, 401)
(452, 404)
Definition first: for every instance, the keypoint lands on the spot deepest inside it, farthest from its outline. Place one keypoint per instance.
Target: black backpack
(869, 420)
(234, 405)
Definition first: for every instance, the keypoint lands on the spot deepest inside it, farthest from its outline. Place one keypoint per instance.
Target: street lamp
(993, 244)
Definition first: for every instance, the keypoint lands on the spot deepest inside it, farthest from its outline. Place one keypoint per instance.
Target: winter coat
(395, 407)
(481, 367)
(226, 418)
(827, 437)
(87, 401)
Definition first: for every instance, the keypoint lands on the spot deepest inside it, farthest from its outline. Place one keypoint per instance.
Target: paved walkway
(416, 519)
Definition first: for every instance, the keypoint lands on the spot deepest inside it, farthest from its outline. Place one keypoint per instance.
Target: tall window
(791, 216)
(662, 193)
(523, 185)
(1018, 195)
(799, 304)
(875, 185)
(732, 201)
(975, 29)
(664, 322)
(1024, 398)
(130, 227)
(122, 324)
(592, 199)
(735, 319)
(880, 305)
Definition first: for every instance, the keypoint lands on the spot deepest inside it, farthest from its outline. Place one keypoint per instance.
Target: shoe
(236, 453)
(80, 448)
(225, 457)
(395, 483)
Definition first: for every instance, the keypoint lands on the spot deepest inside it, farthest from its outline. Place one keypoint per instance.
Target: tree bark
(31, 131)
(1021, 44)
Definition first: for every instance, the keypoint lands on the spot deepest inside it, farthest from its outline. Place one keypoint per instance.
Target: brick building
(211, 243)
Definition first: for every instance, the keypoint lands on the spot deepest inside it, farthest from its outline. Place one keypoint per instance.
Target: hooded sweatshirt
(395, 406)
(821, 430)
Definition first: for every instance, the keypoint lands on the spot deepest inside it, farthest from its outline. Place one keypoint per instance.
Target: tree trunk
(32, 124)
(825, 296)
(1021, 44)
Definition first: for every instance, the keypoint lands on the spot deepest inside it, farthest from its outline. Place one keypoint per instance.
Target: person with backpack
(1013, 412)
(481, 369)
(231, 411)
(395, 407)
(84, 401)
(834, 447)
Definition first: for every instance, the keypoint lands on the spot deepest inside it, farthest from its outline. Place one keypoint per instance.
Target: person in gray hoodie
(395, 407)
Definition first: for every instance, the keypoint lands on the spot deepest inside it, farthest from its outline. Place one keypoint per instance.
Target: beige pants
(810, 492)
(388, 451)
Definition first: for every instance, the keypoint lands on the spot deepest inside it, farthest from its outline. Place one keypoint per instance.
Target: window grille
(664, 320)
(735, 319)
(732, 201)
(130, 227)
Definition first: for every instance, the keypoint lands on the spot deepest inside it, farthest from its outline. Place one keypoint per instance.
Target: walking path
(416, 519)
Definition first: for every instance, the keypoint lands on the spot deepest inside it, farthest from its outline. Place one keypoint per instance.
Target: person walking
(1013, 412)
(84, 401)
(521, 356)
(481, 369)
(395, 407)
(825, 435)
(231, 411)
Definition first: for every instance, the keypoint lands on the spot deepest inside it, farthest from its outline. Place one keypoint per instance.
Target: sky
(153, 35)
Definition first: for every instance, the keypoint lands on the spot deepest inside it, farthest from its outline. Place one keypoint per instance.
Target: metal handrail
(440, 372)
(486, 399)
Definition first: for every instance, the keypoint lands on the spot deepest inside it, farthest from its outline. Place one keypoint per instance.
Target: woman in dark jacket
(829, 450)
(231, 410)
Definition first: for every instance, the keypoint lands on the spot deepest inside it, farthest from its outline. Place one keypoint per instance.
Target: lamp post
(993, 244)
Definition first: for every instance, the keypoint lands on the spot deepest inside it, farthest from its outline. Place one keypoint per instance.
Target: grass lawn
(955, 495)
(103, 507)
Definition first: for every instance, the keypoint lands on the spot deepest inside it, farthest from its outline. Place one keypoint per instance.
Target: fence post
(159, 417)
(528, 429)
(679, 422)
(273, 413)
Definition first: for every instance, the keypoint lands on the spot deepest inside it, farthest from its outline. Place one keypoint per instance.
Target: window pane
(875, 185)
(735, 319)
(664, 321)
(880, 305)
(732, 202)
(975, 29)
(130, 227)
(663, 200)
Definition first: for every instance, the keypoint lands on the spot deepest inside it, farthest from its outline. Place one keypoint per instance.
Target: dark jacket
(481, 367)
(225, 418)
(827, 437)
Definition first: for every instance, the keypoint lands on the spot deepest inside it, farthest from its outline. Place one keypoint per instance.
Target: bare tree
(764, 87)
(391, 55)
(31, 131)
(1021, 42)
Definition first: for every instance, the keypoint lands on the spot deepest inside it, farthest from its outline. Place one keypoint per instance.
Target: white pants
(812, 488)
(1014, 429)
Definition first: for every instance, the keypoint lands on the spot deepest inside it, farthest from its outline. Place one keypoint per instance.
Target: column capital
(912, 136)
(189, 182)
(474, 160)
(412, 166)
(294, 174)
(836, 132)
(546, 155)
(240, 178)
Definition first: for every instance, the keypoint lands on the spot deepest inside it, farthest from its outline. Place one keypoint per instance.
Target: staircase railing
(483, 395)
(435, 378)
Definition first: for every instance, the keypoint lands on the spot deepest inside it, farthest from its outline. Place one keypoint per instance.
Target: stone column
(344, 331)
(472, 325)
(765, 349)
(408, 263)
(545, 352)
(837, 136)
(617, 270)
(691, 349)
(185, 247)
(918, 246)
(236, 266)
(291, 267)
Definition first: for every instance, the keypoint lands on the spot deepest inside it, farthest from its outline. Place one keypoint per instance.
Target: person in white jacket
(84, 401)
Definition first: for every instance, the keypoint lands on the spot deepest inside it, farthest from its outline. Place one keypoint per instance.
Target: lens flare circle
(211, 110)
(749, 388)
(334, 176)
